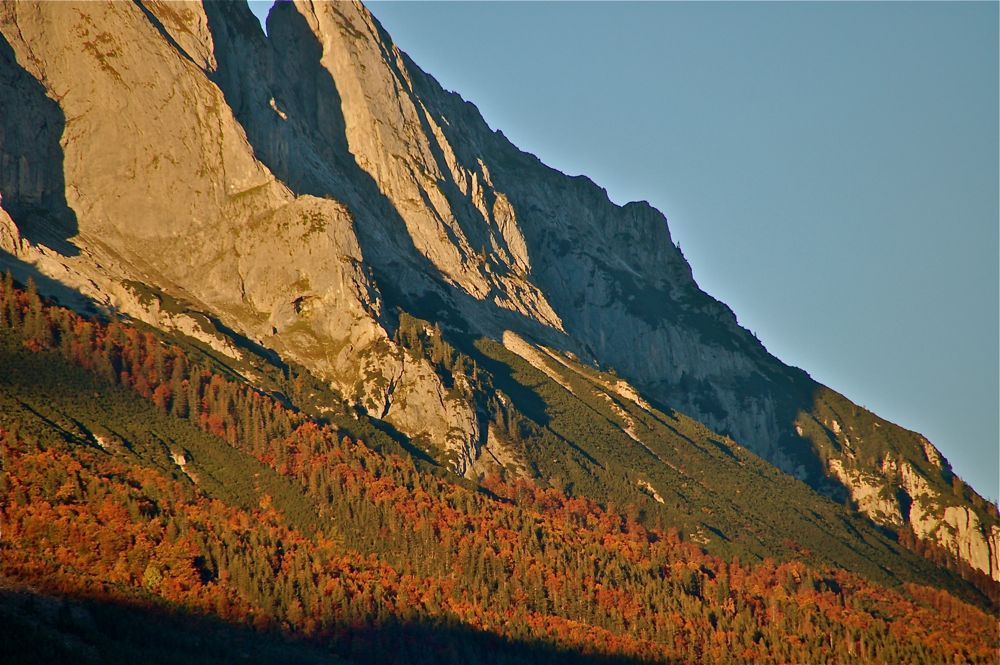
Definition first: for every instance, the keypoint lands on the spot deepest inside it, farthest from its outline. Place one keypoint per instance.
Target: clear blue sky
(830, 171)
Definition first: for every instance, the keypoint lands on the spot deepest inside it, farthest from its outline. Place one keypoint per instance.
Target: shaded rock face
(31, 158)
(300, 186)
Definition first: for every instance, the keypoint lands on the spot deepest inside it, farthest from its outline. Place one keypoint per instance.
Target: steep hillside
(150, 504)
(300, 197)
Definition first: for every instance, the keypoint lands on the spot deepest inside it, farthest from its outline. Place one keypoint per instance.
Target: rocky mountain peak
(306, 188)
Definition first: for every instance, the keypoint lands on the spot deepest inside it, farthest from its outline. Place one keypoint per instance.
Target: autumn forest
(205, 505)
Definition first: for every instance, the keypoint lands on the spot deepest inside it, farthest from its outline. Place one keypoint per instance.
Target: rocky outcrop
(994, 544)
(957, 529)
(907, 491)
(648, 488)
(10, 236)
(868, 492)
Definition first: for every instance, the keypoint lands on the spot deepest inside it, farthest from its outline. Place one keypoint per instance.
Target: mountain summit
(311, 199)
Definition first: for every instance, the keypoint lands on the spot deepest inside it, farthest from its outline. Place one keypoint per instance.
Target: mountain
(316, 217)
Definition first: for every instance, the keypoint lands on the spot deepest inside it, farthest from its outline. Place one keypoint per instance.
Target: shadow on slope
(64, 295)
(41, 629)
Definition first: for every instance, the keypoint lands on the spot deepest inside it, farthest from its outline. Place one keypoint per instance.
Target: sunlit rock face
(10, 236)
(300, 187)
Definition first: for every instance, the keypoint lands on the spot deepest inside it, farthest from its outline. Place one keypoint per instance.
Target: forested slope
(133, 476)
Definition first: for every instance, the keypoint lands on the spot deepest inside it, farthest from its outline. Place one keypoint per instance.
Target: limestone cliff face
(900, 480)
(513, 244)
(299, 187)
(166, 190)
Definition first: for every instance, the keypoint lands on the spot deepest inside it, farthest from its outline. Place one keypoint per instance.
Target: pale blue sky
(830, 170)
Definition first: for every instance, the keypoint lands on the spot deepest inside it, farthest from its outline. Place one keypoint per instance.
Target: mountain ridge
(383, 193)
